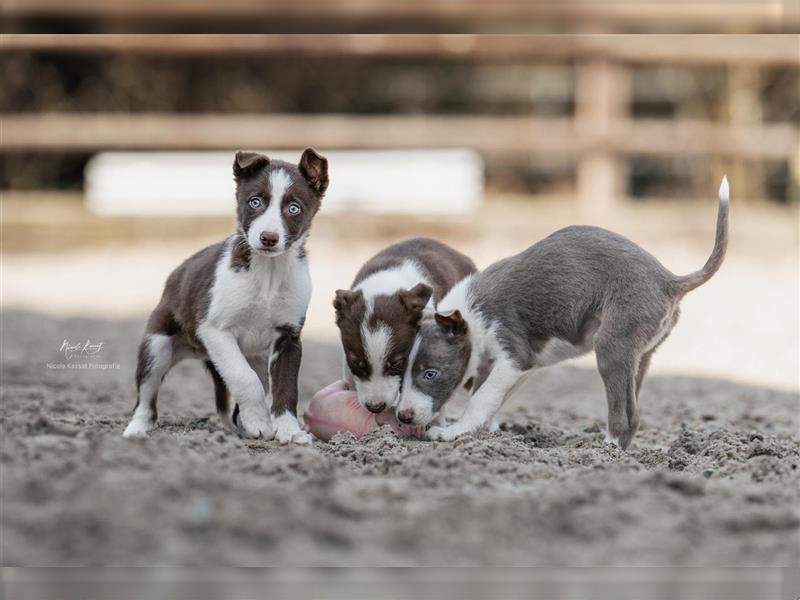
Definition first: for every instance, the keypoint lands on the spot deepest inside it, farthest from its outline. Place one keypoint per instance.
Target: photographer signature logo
(82, 356)
(87, 348)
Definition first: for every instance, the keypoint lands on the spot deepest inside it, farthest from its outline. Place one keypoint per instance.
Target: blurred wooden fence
(502, 16)
(602, 133)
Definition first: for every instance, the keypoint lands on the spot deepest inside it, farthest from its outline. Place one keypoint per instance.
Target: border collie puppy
(580, 289)
(379, 316)
(240, 305)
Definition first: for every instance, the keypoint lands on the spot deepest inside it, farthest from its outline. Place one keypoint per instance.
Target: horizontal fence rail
(713, 15)
(95, 132)
(781, 49)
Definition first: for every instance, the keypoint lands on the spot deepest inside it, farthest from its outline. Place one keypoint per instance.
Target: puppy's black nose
(376, 408)
(268, 239)
(406, 415)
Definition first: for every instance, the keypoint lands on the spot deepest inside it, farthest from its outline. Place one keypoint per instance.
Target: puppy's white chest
(253, 303)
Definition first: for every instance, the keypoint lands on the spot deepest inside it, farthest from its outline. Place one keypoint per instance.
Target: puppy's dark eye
(355, 363)
(255, 202)
(393, 367)
(294, 208)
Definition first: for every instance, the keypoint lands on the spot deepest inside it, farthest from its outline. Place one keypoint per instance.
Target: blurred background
(488, 142)
(116, 148)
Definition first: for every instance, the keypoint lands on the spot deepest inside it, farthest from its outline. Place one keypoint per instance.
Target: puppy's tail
(687, 283)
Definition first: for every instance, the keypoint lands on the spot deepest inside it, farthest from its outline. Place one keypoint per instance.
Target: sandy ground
(711, 479)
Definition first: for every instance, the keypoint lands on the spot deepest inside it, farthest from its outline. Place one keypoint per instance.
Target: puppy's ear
(343, 300)
(453, 323)
(315, 170)
(247, 163)
(415, 299)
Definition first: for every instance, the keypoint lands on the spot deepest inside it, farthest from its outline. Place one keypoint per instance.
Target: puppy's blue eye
(255, 202)
(430, 374)
(294, 208)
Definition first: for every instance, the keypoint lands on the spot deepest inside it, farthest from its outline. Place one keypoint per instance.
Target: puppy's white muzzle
(415, 408)
(379, 393)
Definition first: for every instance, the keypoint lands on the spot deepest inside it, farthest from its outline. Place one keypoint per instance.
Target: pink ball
(336, 408)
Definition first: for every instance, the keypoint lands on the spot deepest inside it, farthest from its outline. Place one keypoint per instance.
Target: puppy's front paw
(288, 431)
(302, 438)
(252, 425)
(445, 434)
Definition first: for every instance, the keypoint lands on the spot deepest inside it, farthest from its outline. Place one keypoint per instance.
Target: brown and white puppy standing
(240, 305)
(580, 289)
(379, 316)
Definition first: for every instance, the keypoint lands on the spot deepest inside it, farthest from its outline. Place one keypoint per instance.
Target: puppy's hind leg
(618, 366)
(155, 359)
(644, 364)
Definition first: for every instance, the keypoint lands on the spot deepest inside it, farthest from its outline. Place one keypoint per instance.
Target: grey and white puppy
(580, 289)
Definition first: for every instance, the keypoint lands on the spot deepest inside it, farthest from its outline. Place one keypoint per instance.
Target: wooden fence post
(602, 97)
(743, 107)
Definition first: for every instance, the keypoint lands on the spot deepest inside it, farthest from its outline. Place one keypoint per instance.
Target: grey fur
(580, 289)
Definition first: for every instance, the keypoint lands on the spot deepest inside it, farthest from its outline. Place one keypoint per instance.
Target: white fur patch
(251, 303)
(724, 190)
(376, 344)
(279, 184)
(379, 389)
(458, 298)
(408, 378)
(389, 281)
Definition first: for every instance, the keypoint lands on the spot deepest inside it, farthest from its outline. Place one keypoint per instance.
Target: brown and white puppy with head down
(239, 305)
(379, 315)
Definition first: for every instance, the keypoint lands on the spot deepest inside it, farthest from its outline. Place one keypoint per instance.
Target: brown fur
(187, 294)
(401, 311)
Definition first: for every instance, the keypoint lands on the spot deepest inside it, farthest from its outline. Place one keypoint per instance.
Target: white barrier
(201, 183)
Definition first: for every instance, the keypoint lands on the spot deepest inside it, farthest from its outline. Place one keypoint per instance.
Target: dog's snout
(406, 416)
(268, 239)
(376, 407)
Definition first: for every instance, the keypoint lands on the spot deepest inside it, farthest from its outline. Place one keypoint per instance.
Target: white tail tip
(724, 189)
